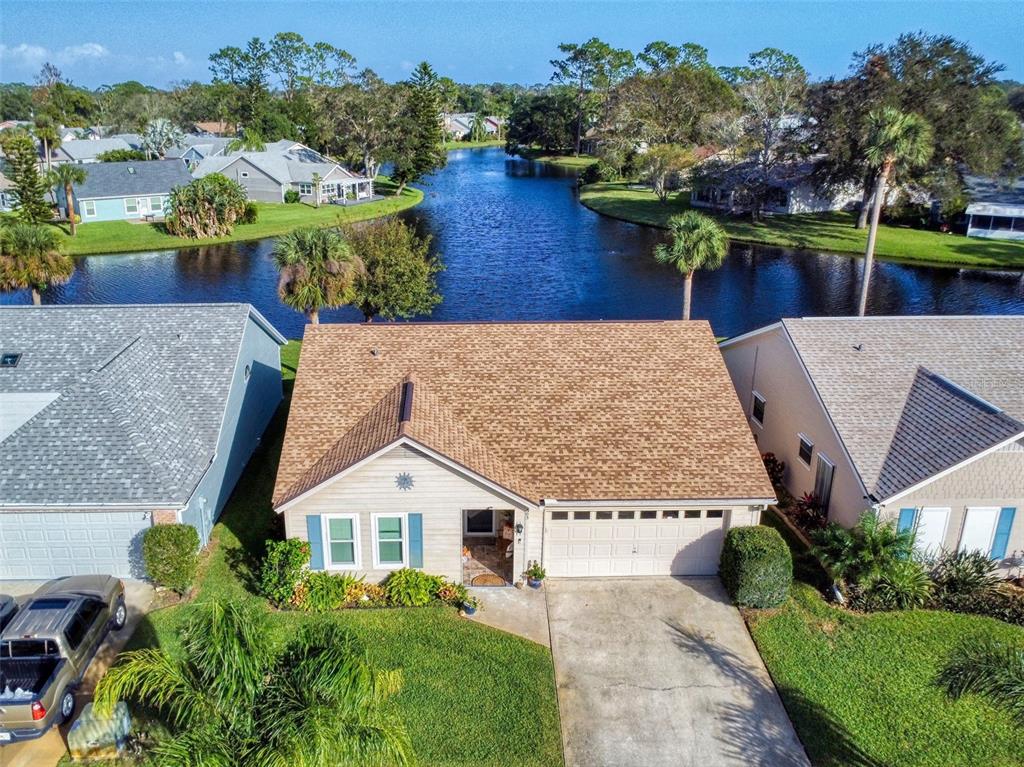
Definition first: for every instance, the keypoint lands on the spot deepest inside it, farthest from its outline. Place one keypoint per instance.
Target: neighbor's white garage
(638, 541)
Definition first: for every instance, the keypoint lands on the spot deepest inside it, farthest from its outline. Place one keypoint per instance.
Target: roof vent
(131, 170)
(10, 359)
(858, 347)
(375, 352)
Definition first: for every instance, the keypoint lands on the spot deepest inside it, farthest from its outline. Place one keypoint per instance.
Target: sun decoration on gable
(404, 481)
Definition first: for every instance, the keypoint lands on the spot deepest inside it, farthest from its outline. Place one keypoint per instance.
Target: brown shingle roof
(574, 411)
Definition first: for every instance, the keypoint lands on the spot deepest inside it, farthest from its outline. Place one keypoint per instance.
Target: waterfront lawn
(472, 696)
(273, 219)
(812, 231)
(491, 142)
(572, 162)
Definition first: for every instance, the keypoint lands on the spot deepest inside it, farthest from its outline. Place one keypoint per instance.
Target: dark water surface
(518, 246)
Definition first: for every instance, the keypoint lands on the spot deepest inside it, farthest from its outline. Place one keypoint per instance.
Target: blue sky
(96, 42)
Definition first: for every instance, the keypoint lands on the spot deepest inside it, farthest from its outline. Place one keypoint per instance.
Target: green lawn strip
(811, 231)
(472, 696)
(860, 688)
(452, 145)
(274, 219)
(572, 162)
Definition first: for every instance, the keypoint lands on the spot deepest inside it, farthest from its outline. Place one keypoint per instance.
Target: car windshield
(28, 648)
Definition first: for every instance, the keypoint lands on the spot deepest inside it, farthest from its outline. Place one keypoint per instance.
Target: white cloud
(84, 51)
(180, 58)
(28, 55)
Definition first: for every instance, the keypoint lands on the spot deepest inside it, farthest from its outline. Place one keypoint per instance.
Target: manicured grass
(569, 161)
(450, 145)
(472, 696)
(273, 219)
(812, 231)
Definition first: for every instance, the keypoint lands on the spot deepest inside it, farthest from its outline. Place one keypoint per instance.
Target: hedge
(171, 556)
(756, 566)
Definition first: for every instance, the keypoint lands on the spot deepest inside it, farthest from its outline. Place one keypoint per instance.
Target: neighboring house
(8, 198)
(86, 150)
(287, 165)
(126, 191)
(116, 418)
(997, 208)
(470, 450)
(458, 125)
(921, 418)
(195, 149)
(215, 128)
(791, 189)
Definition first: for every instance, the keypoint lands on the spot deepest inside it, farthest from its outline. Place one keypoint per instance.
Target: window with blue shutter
(906, 520)
(415, 540)
(316, 542)
(1001, 540)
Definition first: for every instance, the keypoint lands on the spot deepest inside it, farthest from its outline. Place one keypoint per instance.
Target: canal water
(517, 245)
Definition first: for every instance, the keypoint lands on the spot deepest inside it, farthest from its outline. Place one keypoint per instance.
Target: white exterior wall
(767, 363)
(439, 493)
(803, 198)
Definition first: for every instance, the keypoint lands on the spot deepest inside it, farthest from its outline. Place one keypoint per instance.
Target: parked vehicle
(47, 647)
(8, 607)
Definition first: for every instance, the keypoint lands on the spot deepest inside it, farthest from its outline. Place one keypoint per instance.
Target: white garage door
(49, 545)
(638, 542)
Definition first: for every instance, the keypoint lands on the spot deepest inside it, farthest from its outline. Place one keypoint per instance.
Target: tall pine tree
(419, 145)
(23, 172)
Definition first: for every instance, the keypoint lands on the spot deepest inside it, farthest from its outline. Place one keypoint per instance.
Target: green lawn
(472, 695)
(274, 219)
(572, 162)
(860, 688)
(813, 231)
(450, 145)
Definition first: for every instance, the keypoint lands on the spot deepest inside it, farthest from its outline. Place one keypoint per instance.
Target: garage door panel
(38, 545)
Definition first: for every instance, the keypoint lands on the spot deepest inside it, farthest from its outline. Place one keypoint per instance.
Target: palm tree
(317, 269)
(67, 175)
(48, 136)
(32, 258)
(249, 141)
(160, 135)
(478, 129)
(895, 140)
(698, 242)
(232, 701)
(317, 180)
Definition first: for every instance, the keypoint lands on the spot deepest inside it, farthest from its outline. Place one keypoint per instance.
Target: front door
(144, 209)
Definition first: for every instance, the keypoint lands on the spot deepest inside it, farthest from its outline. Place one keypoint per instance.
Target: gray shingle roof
(89, 149)
(121, 179)
(899, 423)
(284, 161)
(142, 393)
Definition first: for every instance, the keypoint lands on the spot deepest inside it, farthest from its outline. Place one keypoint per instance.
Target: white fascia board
(657, 503)
(749, 334)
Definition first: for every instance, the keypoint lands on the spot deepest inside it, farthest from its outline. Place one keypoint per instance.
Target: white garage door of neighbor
(640, 542)
(52, 544)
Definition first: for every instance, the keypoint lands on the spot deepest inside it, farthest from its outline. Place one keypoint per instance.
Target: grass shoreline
(827, 232)
(451, 146)
(275, 219)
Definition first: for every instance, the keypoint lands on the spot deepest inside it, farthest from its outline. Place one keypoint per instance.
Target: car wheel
(120, 615)
(67, 706)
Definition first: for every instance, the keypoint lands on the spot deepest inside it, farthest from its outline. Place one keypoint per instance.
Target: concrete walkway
(48, 749)
(518, 611)
(662, 672)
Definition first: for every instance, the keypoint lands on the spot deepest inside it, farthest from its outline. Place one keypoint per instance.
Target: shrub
(1005, 604)
(171, 556)
(601, 170)
(452, 593)
(322, 592)
(963, 573)
(208, 207)
(291, 197)
(282, 569)
(991, 668)
(249, 213)
(411, 588)
(756, 566)
(861, 555)
(776, 469)
(807, 512)
(366, 595)
(902, 586)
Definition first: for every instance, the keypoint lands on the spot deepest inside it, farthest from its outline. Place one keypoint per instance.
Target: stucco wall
(251, 404)
(995, 480)
(258, 184)
(805, 198)
(768, 364)
(438, 493)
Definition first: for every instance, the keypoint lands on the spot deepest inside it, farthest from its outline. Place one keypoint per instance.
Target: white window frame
(809, 441)
(134, 201)
(754, 396)
(306, 189)
(377, 564)
(86, 205)
(465, 523)
(325, 535)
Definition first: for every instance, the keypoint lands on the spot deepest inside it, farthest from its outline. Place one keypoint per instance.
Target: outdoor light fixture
(519, 529)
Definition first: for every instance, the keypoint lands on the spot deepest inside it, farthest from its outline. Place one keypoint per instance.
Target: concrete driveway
(48, 749)
(662, 671)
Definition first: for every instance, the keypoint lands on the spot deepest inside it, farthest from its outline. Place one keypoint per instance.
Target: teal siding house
(126, 191)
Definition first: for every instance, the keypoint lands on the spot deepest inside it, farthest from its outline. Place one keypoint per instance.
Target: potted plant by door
(534, 575)
(470, 605)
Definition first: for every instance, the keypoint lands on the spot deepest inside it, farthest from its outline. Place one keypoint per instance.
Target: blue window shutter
(1002, 537)
(316, 542)
(415, 540)
(906, 520)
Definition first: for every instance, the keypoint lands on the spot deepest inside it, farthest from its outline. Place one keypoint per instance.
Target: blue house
(116, 418)
(126, 191)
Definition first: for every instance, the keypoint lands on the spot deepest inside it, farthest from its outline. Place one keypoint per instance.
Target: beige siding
(995, 480)
(768, 364)
(439, 493)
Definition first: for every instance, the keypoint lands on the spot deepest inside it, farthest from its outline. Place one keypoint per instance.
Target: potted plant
(470, 605)
(534, 575)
